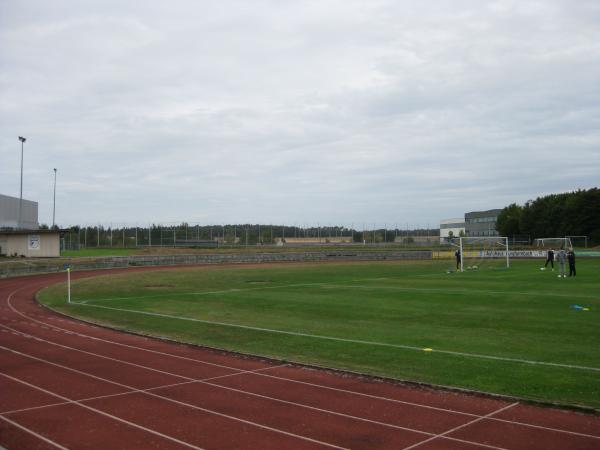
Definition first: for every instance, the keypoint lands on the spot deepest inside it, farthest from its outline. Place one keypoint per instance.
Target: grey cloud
(306, 111)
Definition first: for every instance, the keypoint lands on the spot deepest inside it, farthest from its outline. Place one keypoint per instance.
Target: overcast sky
(297, 112)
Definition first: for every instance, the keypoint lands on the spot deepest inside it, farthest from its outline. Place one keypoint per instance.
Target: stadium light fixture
(54, 201)
(22, 139)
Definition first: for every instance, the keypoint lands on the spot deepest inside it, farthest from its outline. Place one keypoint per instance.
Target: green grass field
(502, 331)
(85, 252)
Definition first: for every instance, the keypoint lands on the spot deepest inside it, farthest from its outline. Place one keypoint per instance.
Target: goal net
(553, 243)
(482, 253)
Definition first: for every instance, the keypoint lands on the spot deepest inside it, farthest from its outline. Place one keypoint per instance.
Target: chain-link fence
(243, 235)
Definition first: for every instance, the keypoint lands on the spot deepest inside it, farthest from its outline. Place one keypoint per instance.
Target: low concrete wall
(210, 258)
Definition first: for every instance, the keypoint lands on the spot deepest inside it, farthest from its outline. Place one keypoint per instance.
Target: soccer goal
(549, 248)
(489, 252)
(563, 243)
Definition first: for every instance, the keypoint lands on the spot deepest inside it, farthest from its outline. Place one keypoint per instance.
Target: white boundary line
(31, 336)
(98, 411)
(444, 434)
(136, 391)
(147, 391)
(56, 327)
(206, 381)
(297, 381)
(237, 419)
(192, 380)
(353, 341)
(37, 435)
(377, 397)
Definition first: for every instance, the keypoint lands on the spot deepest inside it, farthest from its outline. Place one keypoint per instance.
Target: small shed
(30, 243)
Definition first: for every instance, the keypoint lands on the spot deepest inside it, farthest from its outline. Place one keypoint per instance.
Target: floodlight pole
(54, 201)
(507, 258)
(22, 139)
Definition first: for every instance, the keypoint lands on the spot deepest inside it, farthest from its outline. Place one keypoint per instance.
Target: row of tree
(557, 215)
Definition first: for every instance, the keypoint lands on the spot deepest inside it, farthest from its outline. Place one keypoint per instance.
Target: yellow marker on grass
(427, 349)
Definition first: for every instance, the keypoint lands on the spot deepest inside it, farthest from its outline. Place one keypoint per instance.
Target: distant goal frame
(483, 238)
(565, 242)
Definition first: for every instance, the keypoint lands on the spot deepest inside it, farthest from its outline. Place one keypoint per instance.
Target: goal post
(484, 249)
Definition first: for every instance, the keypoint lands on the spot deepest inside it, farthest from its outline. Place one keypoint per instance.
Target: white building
(30, 243)
(451, 227)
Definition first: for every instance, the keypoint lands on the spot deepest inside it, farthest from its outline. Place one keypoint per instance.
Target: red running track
(68, 384)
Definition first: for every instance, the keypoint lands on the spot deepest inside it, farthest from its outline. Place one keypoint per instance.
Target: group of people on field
(561, 257)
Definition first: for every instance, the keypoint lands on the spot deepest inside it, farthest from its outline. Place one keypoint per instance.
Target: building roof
(489, 212)
(455, 220)
(13, 232)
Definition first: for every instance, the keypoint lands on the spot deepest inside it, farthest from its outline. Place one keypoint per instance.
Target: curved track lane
(68, 384)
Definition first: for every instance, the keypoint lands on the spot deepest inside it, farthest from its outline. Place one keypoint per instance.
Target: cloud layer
(297, 112)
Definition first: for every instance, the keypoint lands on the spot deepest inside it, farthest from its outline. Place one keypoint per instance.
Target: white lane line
(33, 433)
(268, 398)
(420, 405)
(232, 389)
(57, 328)
(118, 419)
(296, 381)
(162, 372)
(291, 380)
(444, 435)
(151, 394)
(346, 416)
(136, 391)
(353, 341)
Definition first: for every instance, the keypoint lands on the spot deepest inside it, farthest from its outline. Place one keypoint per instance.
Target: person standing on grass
(550, 259)
(571, 259)
(562, 259)
(457, 256)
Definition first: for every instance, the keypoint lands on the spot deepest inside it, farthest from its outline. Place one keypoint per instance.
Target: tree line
(557, 215)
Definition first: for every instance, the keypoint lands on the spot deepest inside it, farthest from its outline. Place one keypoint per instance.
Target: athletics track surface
(67, 384)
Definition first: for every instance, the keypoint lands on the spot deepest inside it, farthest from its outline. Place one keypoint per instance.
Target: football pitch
(519, 331)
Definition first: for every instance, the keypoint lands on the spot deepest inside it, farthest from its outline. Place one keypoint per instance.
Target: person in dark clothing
(561, 257)
(457, 256)
(550, 259)
(571, 259)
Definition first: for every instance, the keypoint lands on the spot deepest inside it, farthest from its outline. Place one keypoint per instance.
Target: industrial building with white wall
(9, 213)
(451, 228)
(473, 224)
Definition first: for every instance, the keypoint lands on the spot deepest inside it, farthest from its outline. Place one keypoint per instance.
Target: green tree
(509, 220)
(556, 215)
